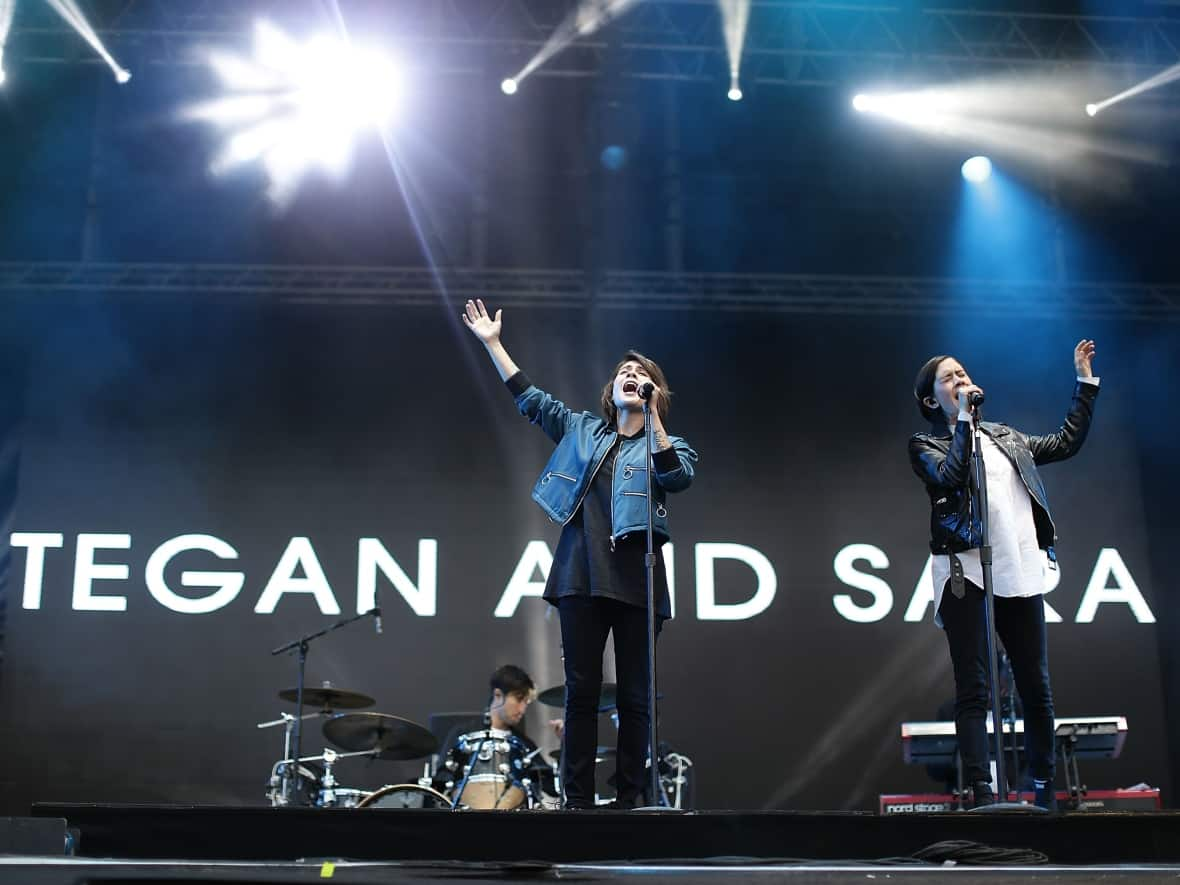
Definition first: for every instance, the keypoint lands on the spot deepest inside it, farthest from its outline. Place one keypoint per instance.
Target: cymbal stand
(301, 645)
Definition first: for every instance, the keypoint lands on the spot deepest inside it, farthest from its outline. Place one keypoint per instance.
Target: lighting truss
(574, 289)
(789, 42)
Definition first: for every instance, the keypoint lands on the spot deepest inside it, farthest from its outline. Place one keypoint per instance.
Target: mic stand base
(1009, 808)
(665, 809)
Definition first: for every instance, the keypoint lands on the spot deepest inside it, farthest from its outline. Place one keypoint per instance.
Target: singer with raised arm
(595, 487)
(1022, 536)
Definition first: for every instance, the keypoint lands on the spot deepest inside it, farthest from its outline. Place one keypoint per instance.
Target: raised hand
(1083, 358)
(475, 317)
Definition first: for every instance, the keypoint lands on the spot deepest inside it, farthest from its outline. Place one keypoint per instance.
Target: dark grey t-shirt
(585, 565)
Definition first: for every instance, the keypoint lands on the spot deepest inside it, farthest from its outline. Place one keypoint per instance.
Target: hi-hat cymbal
(328, 698)
(555, 697)
(390, 736)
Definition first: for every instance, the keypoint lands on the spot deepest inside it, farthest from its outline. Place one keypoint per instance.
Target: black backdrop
(262, 423)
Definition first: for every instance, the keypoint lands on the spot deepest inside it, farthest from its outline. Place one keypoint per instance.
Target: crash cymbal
(555, 697)
(328, 698)
(391, 737)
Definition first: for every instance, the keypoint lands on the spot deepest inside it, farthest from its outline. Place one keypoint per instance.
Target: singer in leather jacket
(1021, 527)
(941, 459)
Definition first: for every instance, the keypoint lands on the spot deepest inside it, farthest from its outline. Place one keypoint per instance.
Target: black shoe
(1045, 796)
(981, 793)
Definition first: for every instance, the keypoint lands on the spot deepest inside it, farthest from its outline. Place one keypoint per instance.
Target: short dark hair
(511, 679)
(609, 412)
(924, 386)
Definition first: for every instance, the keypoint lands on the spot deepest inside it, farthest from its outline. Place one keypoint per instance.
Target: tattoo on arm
(661, 441)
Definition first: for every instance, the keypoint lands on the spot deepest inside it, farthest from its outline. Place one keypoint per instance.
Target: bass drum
(405, 796)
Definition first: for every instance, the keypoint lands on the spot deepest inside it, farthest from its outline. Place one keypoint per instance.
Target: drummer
(511, 692)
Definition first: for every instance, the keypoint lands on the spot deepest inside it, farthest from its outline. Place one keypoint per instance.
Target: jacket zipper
(589, 483)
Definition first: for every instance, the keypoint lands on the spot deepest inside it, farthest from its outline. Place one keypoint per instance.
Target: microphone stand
(656, 794)
(979, 482)
(301, 644)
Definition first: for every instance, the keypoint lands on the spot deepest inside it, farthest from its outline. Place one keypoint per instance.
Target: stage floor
(59, 871)
(544, 839)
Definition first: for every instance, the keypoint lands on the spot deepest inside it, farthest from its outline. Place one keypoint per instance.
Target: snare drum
(498, 779)
(405, 796)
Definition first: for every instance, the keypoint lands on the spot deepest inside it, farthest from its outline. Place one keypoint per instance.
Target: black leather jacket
(942, 461)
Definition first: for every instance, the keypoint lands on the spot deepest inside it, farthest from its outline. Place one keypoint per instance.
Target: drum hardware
(301, 646)
(555, 697)
(405, 796)
(495, 771)
(328, 698)
(314, 786)
(380, 734)
(282, 782)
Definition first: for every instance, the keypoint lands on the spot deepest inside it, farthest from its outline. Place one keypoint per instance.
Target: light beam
(735, 16)
(1161, 79)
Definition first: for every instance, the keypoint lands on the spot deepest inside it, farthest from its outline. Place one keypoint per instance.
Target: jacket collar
(941, 430)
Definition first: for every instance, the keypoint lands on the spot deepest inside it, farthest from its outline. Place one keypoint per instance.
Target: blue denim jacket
(583, 440)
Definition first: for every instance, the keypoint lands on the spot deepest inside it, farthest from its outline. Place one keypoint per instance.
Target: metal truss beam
(789, 42)
(572, 289)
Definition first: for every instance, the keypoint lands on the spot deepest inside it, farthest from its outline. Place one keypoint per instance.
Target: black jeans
(1020, 624)
(585, 623)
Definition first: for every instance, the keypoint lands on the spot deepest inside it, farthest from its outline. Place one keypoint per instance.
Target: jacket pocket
(552, 473)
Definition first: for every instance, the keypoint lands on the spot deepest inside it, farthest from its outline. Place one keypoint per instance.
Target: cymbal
(555, 697)
(328, 698)
(391, 736)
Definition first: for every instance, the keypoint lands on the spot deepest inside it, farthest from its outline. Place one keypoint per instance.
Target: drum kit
(485, 769)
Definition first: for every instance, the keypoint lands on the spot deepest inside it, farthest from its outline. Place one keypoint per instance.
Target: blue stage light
(977, 169)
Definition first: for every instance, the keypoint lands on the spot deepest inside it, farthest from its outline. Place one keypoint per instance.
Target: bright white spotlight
(735, 93)
(508, 86)
(861, 102)
(1091, 109)
(296, 106)
(122, 75)
(977, 169)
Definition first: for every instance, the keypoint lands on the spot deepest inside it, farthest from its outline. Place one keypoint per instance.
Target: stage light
(586, 18)
(1164, 77)
(735, 17)
(296, 106)
(508, 86)
(1030, 117)
(613, 157)
(72, 13)
(977, 169)
(122, 75)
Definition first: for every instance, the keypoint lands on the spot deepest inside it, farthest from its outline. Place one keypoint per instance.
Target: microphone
(646, 389)
(377, 620)
(975, 399)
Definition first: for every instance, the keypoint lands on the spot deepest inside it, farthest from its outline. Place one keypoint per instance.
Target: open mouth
(630, 387)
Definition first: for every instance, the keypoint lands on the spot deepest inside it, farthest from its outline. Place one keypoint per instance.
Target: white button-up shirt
(1019, 566)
